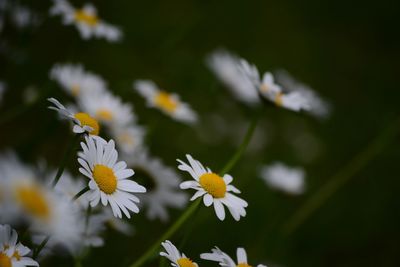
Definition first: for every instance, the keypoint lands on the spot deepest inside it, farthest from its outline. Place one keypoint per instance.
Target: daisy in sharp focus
(284, 178)
(13, 254)
(109, 181)
(83, 122)
(169, 103)
(75, 80)
(214, 189)
(177, 259)
(86, 20)
(162, 185)
(225, 260)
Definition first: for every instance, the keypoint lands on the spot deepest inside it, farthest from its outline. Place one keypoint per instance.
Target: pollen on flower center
(86, 120)
(185, 262)
(16, 256)
(105, 178)
(243, 265)
(278, 99)
(84, 17)
(104, 114)
(165, 101)
(213, 184)
(33, 201)
(5, 261)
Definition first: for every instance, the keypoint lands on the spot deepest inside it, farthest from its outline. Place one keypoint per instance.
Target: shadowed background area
(346, 51)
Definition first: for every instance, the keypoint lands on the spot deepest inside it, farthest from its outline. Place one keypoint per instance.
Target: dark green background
(348, 51)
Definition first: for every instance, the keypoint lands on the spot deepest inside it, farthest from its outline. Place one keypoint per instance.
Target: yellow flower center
(105, 178)
(86, 120)
(278, 99)
(213, 184)
(126, 138)
(16, 256)
(164, 101)
(243, 265)
(5, 261)
(84, 17)
(104, 114)
(33, 201)
(264, 87)
(75, 90)
(185, 262)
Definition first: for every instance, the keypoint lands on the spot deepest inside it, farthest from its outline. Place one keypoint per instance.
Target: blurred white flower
(284, 178)
(13, 254)
(225, 260)
(163, 190)
(214, 189)
(169, 103)
(129, 139)
(86, 20)
(23, 17)
(177, 259)
(83, 122)
(76, 81)
(108, 178)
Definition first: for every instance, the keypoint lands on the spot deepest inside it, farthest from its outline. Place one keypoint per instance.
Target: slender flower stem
(171, 230)
(355, 165)
(80, 193)
(65, 159)
(37, 251)
(239, 152)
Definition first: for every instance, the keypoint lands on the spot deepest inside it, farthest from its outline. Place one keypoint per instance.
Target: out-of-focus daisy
(128, 139)
(13, 254)
(76, 81)
(318, 106)
(86, 20)
(48, 212)
(282, 177)
(177, 259)
(108, 178)
(83, 122)
(107, 109)
(213, 188)
(169, 103)
(23, 17)
(225, 260)
(237, 74)
(163, 185)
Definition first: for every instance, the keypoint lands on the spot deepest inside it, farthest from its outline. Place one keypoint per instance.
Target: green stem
(239, 152)
(355, 165)
(40, 247)
(80, 193)
(65, 159)
(171, 230)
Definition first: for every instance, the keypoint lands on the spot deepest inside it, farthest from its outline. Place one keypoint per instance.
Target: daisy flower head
(107, 109)
(237, 74)
(83, 122)
(77, 81)
(108, 178)
(162, 185)
(214, 189)
(129, 139)
(284, 178)
(177, 259)
(225, 260)
(86, 20)
(13, 254)
(169, 103)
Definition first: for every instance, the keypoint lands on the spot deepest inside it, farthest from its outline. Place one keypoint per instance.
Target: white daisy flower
(108, 178)
(214, 189)
(86, 20)
(76, 81)
(13, 254)
(169, 103)
(225, 261)
(83, 122)
(48, 212)
(107, 109)
(284, 178)
(128, 139)
(237, 74)
(162, 189)
(177, 259)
